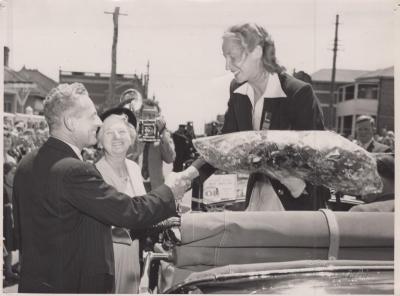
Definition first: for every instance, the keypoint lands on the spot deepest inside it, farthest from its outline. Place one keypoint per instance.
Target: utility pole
(146, 89)
(332, 90)
(115, 14)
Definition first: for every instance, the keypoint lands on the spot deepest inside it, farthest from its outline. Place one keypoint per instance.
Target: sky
(182, 40)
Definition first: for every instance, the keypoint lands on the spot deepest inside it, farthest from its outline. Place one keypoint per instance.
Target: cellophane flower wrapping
(319, 157)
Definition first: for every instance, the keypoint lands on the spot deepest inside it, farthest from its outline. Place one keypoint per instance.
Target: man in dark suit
(365, 135)
(64, 210)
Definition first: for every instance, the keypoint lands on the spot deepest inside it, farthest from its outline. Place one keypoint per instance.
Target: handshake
(180, 182)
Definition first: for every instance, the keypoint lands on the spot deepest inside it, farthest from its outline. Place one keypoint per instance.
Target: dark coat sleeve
(230, 123)
(307, 116)
(237, 118)
(84, 189)
(230, 126)
(306, 112)
(377, 147)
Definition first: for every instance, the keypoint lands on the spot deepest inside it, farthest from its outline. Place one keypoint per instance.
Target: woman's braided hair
(251, 35)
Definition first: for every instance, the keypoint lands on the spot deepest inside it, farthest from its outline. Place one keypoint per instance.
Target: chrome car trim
(334, 237)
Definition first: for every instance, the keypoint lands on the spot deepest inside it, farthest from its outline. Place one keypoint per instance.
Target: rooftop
(43, 82)
(342, 75)
(386, 72)
(11, 76)
(74, 74)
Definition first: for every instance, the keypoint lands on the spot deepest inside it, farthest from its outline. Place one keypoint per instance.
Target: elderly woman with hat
(116, 135)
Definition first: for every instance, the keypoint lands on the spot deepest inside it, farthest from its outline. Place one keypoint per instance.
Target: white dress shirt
(273, 90)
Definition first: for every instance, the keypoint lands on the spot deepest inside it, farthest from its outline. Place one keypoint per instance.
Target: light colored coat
(126, 257)
(111, 178)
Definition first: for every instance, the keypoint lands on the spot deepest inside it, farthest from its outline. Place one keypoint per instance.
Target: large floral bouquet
(319, 157)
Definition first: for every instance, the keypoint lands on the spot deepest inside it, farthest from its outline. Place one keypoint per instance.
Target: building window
(9, 101)
(349, 93)
(8, 107)
(367, 91)
(339, 124)
(347, 125)
(340, 94)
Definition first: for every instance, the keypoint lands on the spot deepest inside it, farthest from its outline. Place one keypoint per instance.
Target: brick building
(357, 92)
(97, 84)
(321, 82)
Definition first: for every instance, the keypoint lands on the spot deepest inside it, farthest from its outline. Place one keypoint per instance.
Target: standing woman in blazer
(263, 96)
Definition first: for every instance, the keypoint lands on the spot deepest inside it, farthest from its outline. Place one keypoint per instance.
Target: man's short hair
(363, 118)
(61, 98)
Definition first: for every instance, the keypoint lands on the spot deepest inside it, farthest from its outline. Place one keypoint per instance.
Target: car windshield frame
(334, 267)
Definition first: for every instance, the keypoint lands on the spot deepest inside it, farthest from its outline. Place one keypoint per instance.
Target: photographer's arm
(167, 146)
(136, 150)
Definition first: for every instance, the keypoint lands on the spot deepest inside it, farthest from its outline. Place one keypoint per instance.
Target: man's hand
(178, 183)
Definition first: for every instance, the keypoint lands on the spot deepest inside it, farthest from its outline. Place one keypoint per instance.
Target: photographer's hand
(161, 124)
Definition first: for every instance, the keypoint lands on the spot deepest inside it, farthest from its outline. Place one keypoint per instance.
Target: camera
(147, 127)
(146, 115)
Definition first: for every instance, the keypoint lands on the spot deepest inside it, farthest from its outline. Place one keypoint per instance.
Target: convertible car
(303, 253)
(229, 250)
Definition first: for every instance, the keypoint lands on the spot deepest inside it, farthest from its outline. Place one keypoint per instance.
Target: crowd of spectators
(20, 137)
(385, 137)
